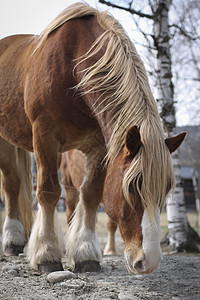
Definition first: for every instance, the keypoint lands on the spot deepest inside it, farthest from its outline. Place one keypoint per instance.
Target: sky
(32, 16)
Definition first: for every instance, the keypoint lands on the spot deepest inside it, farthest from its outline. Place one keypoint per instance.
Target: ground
(176, 279)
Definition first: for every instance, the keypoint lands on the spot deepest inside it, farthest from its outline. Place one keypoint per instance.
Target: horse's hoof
(13, 250)
(49, 266)
(87, 266)
(109, 252)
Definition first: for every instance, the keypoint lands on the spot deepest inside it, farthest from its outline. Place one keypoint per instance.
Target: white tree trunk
(164, 86)
(176, 212)
(196, 191)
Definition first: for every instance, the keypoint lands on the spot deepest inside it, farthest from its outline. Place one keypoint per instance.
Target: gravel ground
(178, 278)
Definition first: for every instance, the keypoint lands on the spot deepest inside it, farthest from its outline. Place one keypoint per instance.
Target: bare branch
(130, 3)
(128, 9)
(185, 33)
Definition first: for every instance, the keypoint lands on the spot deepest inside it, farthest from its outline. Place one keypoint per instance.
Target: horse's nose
(139, 263)
(142, 263)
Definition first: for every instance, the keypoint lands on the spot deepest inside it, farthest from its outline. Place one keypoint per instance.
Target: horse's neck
(106, 122)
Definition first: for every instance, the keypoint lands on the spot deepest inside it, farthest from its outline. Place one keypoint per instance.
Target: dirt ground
(178, 278)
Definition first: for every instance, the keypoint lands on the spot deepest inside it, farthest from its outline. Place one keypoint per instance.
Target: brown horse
(73, 171)
(82, 85)
(16, 184)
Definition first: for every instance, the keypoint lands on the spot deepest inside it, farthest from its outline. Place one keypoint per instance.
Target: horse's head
(139, 227)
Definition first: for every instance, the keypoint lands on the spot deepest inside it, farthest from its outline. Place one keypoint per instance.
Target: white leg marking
(13, 233)
(82, 243)
(46, 240)
(151, 240)
(110, 246)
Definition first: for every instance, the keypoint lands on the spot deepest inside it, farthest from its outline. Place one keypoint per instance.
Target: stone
(125, 296)
(9, 267)
(12, 272)
(73, 284)
(60, 276)
(22, 255)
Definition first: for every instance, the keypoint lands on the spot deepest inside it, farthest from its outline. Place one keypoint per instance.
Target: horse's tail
(25, 192)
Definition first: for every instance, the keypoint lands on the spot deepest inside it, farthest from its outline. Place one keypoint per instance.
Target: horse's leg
(71, 200)
(82, 243)
(110, 246)
(45, 246)
(71, 193)
(14, 233)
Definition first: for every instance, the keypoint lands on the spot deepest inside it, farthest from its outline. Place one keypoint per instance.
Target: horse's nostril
(138, 265)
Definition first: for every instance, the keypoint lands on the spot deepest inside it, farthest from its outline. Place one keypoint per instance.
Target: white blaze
(151, 240)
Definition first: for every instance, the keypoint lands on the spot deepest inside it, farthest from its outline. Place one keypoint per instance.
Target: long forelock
(153, 167)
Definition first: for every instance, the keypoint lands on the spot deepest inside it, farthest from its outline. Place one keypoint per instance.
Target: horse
(73, 171)
(81, 84)
(16, 185)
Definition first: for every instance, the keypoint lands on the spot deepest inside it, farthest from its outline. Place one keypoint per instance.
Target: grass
(102, 222)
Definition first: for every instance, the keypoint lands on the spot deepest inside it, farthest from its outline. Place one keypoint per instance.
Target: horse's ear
(173, 143)
(133, 140)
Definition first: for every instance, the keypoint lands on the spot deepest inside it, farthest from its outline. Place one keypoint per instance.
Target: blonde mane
(124, 89)
(77, 10)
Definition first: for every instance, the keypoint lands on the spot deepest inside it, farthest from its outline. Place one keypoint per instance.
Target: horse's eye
(130, 189)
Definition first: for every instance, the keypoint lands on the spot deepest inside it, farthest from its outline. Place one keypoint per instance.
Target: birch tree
(179, 229)
(176, 211)
(185, 34)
